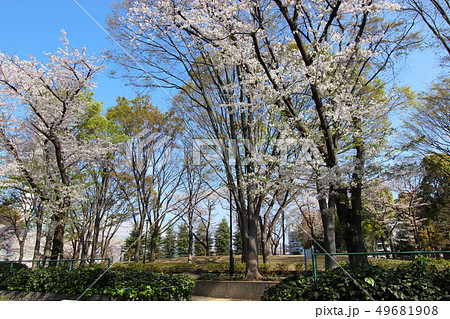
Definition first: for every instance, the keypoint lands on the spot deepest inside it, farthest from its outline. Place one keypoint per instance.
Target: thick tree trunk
(327, 211)
(265, 249)
(85, 246)
(153, 241)
(58, 237)
(48, 246)
(351, 220)
(251, 269)
(49, 239)
(58, 240)
(21, 248)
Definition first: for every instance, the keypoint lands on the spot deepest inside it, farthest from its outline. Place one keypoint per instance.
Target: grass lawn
(280, 264)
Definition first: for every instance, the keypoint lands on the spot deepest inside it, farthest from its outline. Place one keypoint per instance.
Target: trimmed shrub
(122, 285)
(415, 282)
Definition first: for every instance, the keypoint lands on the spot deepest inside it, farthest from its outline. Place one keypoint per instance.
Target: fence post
(70, 265)
(109, 263)
(314, 264)
(306, 263)
(11, 267)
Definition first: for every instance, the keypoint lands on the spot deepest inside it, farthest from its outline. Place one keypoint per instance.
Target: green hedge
(124, 285)
(411, 282)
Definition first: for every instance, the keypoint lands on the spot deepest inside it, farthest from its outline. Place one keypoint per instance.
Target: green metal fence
(41, 262)
(314, 256)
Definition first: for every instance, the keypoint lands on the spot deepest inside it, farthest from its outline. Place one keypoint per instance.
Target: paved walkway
(202, 298)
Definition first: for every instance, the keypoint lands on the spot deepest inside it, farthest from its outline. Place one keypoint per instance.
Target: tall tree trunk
(242, 232)
(49, 238)
(327, 212)
(77, 254)
(86, 241)
(191, 234)
(264, 248)
(75, 248)
(283, 250)
(85, 245)
(251, 238)
(58, 239)
(251, 270)
(48, 246)
(37, 242)
(153, 242)
(351, 220)
(383, 243)
(99, 204)
(21, 248)
(95, 235)
(137, 249)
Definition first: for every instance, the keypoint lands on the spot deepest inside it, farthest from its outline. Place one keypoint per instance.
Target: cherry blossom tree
(383, 216)
(16, 213)
(316, 64)
(43, 103)
(407, 184)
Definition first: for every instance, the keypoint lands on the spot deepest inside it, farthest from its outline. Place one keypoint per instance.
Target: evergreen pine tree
(130, 245)
(182, 243)
(168, 243)
(222, 238)
(237, 242)
(158, 246)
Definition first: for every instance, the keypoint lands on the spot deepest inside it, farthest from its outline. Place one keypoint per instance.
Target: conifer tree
(222, 238)
(182, 243)
(168, 243)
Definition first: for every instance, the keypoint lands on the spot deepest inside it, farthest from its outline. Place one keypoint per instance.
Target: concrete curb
(238, 290)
